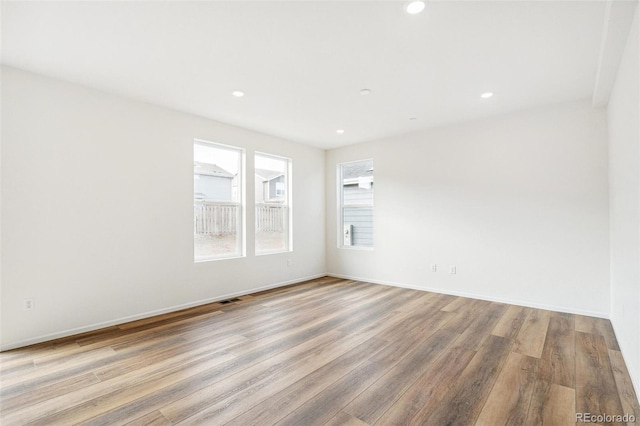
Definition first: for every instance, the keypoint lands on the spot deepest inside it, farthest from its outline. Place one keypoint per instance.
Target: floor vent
(224, 302)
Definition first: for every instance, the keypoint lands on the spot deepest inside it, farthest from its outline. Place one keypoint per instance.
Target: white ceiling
(302, 64)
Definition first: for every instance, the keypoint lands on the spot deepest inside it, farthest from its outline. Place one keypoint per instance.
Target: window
(355, 189)
(218, 212)
(273, 204)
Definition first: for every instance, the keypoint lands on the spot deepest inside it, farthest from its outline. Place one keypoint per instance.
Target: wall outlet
(434, 268)
(452, 269)
(289, 262)
(29, 304)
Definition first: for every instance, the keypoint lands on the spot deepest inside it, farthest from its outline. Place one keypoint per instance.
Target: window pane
(356, 189)
(272, 204)
(358, 222)
(217, 187)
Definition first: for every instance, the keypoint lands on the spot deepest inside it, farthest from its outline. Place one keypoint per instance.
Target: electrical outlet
(452, 269)
(29, 304)
(289, 262)
(434, 268)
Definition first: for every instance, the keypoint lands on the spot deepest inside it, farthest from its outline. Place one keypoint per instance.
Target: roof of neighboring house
(210, 170)
(266, 175)
(357, 169)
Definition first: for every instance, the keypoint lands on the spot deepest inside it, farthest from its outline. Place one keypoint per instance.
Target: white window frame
(242, 228)
(342, 207)
(288, 202)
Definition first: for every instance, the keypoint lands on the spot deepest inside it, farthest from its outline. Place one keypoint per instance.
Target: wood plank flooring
(326, 352)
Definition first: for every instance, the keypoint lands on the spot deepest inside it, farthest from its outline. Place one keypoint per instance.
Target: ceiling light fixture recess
(415, 7)
(340, 131)
(365, 92)
(238, 93)
(486, 95)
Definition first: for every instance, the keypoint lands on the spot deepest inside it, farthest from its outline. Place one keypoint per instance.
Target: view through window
(273, 207)
(217, 201)
(355, 186)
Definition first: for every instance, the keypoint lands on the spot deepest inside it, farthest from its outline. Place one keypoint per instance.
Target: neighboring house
(357, 190)
(212, 183)
(270, 186)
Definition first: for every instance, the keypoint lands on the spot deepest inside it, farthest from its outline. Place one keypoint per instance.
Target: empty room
(320, 212)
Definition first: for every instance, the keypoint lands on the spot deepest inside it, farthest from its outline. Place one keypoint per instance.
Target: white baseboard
(97, 326)
(477, 296)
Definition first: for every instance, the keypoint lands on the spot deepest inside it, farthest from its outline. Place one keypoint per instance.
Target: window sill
(213, 259)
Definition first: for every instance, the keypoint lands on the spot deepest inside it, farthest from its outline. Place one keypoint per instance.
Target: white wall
(624, 178)
(97, 210)
(518, 203)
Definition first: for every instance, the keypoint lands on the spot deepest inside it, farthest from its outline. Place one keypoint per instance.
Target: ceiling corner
(618, 18)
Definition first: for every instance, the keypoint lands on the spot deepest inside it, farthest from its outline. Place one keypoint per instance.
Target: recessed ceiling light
(415, 7)
(365, 92)
(486, 95)
(340, 131)
(238, 93)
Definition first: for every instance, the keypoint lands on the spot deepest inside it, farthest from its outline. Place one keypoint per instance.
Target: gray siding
(360, 218)
(361, 221)
(213, 188)
(272, 188)
(352, 194)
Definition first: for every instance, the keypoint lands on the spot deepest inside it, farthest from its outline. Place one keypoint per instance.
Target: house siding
(213, 188)
(360, 218)
(273, 187)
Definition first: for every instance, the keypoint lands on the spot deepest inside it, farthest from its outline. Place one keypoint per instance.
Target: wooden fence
(271, 218)
(214, 218)
(221, 218)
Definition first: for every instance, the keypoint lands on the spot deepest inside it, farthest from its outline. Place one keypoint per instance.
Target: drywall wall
(624, 189)
(97, 216)
(518, 203)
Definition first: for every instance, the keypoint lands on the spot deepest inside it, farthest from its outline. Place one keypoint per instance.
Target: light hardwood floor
(326, 352)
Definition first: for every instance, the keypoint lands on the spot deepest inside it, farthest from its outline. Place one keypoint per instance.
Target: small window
(355, 189)
(273, 204)
(218, 213)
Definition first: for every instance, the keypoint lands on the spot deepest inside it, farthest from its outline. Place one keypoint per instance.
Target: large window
(273, 204)
(355, 189)
(218, 213)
